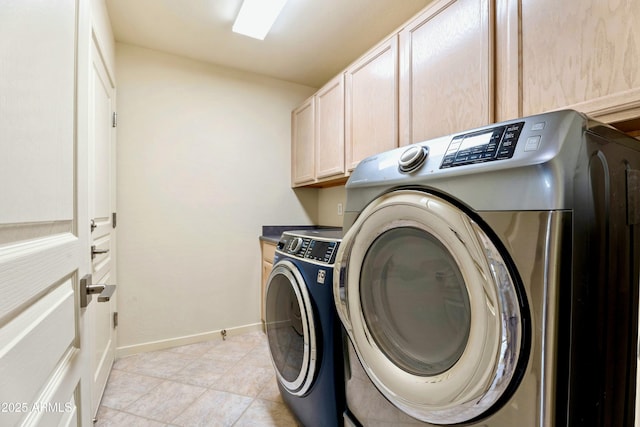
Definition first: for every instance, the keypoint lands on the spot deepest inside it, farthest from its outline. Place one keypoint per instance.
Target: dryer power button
(412, 158)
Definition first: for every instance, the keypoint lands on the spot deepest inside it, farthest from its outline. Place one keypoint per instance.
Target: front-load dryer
(490, 278)
(303, 330)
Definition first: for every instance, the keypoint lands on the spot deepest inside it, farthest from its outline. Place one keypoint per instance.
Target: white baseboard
(185, 340)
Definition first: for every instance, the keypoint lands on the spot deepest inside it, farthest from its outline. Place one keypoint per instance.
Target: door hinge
(113, 220)
(114, 120)
(115, 319)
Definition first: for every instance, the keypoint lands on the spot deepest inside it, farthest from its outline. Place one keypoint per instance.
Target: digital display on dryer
(475, 140)
(498, 143)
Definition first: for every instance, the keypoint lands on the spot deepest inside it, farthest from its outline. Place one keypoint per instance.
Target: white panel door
(100, 318)
(42, 251)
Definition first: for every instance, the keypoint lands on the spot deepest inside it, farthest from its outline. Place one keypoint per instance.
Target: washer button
(538, 126)
(533, 143)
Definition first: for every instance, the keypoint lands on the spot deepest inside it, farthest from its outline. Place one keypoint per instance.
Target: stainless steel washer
(490, 278)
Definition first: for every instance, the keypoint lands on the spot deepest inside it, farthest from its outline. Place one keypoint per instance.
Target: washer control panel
(318, 249)
(498, 143)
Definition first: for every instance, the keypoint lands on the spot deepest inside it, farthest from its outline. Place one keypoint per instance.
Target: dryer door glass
(414, 301)
(290, 328)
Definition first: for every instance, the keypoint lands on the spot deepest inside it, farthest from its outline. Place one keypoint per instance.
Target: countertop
(272, 233)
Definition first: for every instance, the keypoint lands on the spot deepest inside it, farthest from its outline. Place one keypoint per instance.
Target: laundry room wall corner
(308, 198)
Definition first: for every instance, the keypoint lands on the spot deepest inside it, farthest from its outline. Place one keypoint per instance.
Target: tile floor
(213, 383)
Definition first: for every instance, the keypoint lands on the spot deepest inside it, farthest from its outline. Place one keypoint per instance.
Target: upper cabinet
(446, 70)
(303, 144)
(583, 54)
(461, 64)
(372, 103)
(330, 130)
(317, 136)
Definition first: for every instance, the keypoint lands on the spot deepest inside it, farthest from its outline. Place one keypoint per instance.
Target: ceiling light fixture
(257, 16)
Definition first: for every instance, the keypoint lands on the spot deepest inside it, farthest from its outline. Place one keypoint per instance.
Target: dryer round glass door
(290, 328)
(430, 306)
(415, 305)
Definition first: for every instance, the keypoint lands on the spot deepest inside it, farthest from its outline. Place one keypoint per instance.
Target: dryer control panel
(497, 143)
(318, 249)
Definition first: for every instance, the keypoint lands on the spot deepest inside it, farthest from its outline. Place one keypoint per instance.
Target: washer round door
(290, 328)
(430, 307)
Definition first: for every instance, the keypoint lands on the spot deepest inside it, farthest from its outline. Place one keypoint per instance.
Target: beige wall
(203, 162)
(328, 200)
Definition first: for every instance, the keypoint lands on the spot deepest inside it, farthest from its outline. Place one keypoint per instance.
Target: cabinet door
(266, 270)
(446, 78)
(580, 51)
(371, 120)
(329, 122)
(302, 144)
(268, 253)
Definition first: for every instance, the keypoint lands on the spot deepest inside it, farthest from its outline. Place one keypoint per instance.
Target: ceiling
(310, 42)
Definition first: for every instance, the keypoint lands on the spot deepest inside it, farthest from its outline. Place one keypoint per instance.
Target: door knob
(87, 289)
(95, 251)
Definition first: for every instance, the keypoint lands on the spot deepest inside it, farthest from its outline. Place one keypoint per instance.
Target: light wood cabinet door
(446, 70)
(268, 253)
(329, 128)
(579, 53)
(266, 270)
(371, 119)
(303, 144)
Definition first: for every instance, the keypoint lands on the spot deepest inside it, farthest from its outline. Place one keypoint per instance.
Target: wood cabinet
(329, 129)
(317, 136)
(303, 143)
(583, 54)
(446, 70)
(268, 251)
(372, 103)
(461, 64)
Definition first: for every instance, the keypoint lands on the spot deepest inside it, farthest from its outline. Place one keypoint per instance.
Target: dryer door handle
(340, 295)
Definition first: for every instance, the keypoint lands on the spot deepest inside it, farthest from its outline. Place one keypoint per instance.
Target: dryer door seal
(290, 328)
(430, 307)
